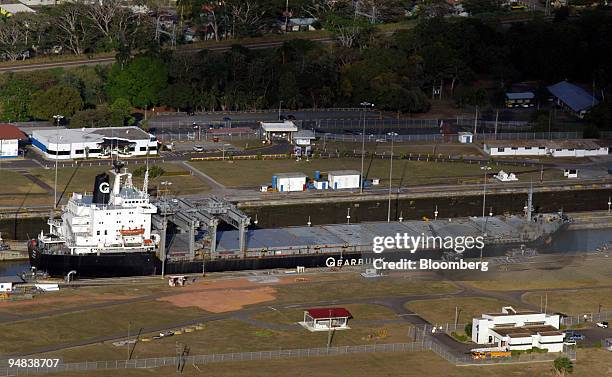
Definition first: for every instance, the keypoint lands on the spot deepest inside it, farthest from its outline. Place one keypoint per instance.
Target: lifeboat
(132, 232)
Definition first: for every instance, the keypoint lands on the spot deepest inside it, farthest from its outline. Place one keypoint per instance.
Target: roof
(302, 21)
(286, 126)
(551, 144)
(16, 8)
(520, 95)
(324, 313)
(525, 331)
(290, 175)
(573, 96)
(304, 134)
(10, 132)
(82, 135)
(343, 172)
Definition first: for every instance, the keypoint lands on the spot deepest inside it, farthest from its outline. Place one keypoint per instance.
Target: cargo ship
(112, 232)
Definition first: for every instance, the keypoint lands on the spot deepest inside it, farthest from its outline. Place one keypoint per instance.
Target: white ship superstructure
(111, 220)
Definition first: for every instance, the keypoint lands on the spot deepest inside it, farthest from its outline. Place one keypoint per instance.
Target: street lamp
(58, 118)
(393, 135)
(484, 198)
(280, 104)
(363, 107)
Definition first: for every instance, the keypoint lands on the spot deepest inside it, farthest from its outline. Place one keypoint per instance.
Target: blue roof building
(573, 98)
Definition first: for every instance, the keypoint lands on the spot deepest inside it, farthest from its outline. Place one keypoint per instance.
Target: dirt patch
(220, 301)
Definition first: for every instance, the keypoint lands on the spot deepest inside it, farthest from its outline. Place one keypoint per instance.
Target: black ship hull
(147, 263)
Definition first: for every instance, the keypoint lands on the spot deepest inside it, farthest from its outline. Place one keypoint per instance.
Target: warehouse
(343, 179)
(66, 144)
(513, 329)
(9, 140)
(572, 98)
(286, 182)
(554, 148)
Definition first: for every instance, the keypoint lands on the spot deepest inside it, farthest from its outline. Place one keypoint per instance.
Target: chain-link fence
(586, 318)
(214, 358)
(437, 137)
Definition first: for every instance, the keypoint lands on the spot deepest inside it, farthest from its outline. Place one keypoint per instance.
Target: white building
(343, 179)
(554, 148)
(465, 137)
(518, 330)
(65, 144)
(303, 137)
(9, 10)
(285, 182)
(9, 140)
(278, 130)
(325, 319)
(6, 287)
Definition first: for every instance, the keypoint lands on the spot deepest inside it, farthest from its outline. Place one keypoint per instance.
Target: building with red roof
(9, 140)
(324, 319)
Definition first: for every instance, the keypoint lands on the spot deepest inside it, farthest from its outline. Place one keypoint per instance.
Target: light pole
(609, 204)
(57, 119)
(363, 107)
(484, 198)
(392, 134)
(280, 104)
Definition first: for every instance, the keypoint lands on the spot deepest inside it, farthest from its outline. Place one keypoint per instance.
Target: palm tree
(563, 366)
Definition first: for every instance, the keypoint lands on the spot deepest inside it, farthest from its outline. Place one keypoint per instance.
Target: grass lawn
(444, 149)
(442, 311)
(30, 334)
(365, 312)
(225, 336)
(574, 302)
(80, 179)
(591, 362)
(19, 185)
(255, 172)
(555, 272)
(356, 287)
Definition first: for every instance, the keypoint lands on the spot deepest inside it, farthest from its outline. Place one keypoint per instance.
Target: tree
(101, 116)
(72, 26)
(347, 31)
(61, 99)
(121, 111)
(563, 365)
(15, 98)
(140, 81)
(13, 38)
(468, 329)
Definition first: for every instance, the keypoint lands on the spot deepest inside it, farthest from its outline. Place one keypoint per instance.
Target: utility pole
(57, 118)
(456, 316)
(496, 121)
(390, 178)
(128, 340)
(280, 104)
(609, 204)
(363, 132)
(476, 122)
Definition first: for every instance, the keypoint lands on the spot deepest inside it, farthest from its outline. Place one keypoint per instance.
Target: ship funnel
(101, 191)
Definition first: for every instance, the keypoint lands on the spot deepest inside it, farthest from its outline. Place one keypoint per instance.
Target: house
(513, 329)
(570, 173)
(520, 99)
(278, 130)
(9, 10)
(297, 23)
(465, 137)
(303, 137)
(325, 319)
(572, 98)
(10, 136)
(554, 148)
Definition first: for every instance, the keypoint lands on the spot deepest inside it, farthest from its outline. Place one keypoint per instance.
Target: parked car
(574, 336)
(198, 148)
(603, 324)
